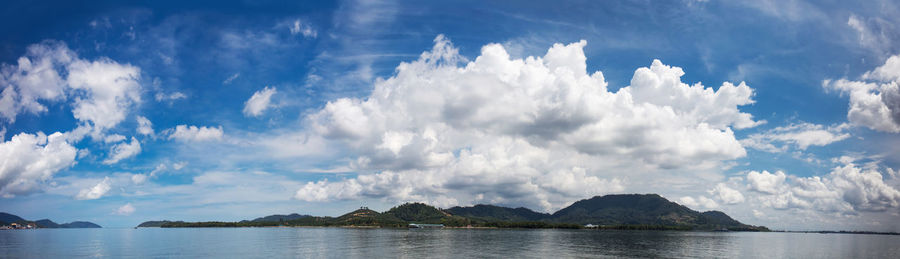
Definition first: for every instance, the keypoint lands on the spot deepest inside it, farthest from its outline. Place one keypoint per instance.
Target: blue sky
(230, 111)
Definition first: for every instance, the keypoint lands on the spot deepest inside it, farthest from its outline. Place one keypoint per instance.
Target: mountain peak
(642, 209)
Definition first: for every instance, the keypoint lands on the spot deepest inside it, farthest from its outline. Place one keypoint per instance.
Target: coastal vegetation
(624, 211)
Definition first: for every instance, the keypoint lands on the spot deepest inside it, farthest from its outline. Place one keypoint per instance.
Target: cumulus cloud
(701, 202)
(259, 102)
(145, 127)
(102, 90)
(890, 71)
(94, 192)
(138, 178)
(864, 189)
(34, 78)
(800, 136)
(726, 194)
(29, 159)
(766, 182)
(846, 189)
(107, 90)
(125, 210)
(122, 151)
(502, 128)
(194, 133)
(875, 99)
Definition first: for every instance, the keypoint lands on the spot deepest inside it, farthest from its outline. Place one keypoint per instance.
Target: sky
(779, 113)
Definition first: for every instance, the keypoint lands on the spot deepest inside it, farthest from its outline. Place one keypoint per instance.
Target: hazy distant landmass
(279, 218)
(621, 211)
(79, 224)
(497, 213)
(156, 224)
(7, 219)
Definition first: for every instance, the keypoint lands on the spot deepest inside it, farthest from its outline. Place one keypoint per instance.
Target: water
(445, 243)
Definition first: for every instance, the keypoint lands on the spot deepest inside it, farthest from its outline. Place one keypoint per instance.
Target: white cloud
(122, 151)
(847, 189)
(145, 127)
(108, 89)
(138, 178)
(578, 183)
(758, 214)
(159, 168)
(94, 192)
(788, 10)
(234, 187)
(231, 78)
(766, 182)
(700, 203)
(298, 27)
(865, 189)
(504, 127)
(875, 33)
(194, 133)
(125, 210)
(727, 195)
(102, 91)
(34, 78)
(875, 102)
(800, 135)
(259, 102)
(179, 165)
(890, 71)
(29, 159)
(113, 138)
(174, 96)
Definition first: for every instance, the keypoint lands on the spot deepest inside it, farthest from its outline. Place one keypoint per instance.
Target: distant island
(620, 211)
(10, 221)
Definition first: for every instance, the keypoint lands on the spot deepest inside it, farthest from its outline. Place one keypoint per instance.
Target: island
(10, 221)
(618, 211)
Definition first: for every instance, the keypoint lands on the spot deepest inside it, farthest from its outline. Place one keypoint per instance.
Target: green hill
(280, 218)
(644, 210)
(366, 217)
(417, 212)
(627, 209)
(46, 223)
(155, 224)
(715, 217)
(623, 211)
(79, 224)
(6, 218)
(423, 213)
(497, 213)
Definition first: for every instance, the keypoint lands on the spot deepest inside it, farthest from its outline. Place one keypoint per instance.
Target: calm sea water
(445, 243)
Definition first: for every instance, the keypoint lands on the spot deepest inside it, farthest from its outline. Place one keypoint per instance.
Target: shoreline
(597, 229)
